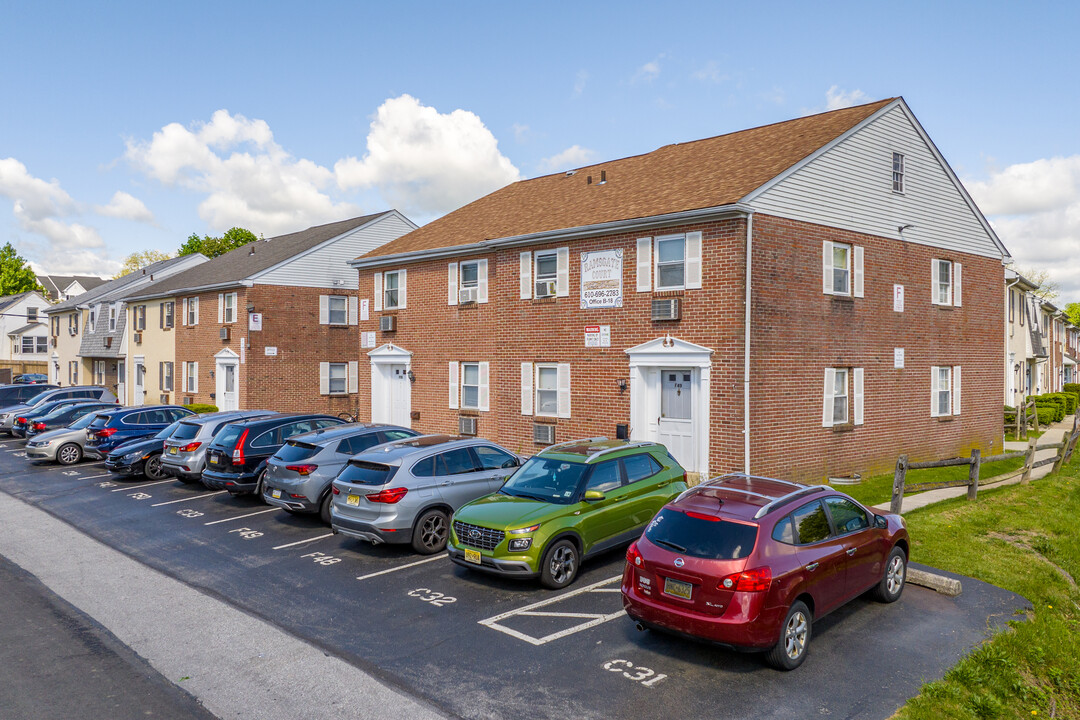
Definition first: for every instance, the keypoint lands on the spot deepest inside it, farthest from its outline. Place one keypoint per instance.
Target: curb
(938, 583)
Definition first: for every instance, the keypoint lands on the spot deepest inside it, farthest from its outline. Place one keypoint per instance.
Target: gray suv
(184, 456)
(298, 476)
(406, 491)
(78, 392)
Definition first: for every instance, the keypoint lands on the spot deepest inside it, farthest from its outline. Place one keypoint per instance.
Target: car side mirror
(880, 522)
(594, 495)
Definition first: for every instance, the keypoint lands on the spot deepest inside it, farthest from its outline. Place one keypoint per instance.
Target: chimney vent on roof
(588, 180)
(571, 172)
(603, 177)
(252, 250)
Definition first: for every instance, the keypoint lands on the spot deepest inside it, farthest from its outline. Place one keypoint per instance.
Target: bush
(1046, 415)
(1072, 400)
(1053, 401)
(202, 408)
(1071, 388)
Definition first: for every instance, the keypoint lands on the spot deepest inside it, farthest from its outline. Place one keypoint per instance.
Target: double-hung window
(139, 317)
(229, 309)
(546, 273)
(192, 305)
(41, 344)
(671, 262)
(99, 372)
(338, 309)
(944, 391)
(843, 402)
(470, 386)
(112, 318)
(842, 269)
(73, 372)
(547, 390)
(31, 314)
(338, 378)
(945, 282)
(167, 311)
(392, 290)
(91, 319)
(191, 377)
(897, 172)
(27, 344)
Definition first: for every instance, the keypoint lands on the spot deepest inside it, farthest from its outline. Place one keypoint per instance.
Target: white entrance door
(676, 420)
(227, 397)
(137, 396)
(400, 395)
(121, 381)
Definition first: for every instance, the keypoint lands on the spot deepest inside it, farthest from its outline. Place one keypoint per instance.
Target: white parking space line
(402, 567)
(94, 477)
(197, 497)
(301, 542)
(241, 517)
(136, 487)
(591, 619)
(15, 449)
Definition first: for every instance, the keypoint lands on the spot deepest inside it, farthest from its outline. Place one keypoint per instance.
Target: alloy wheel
(563, 564)
(795, 635)
(894, 578)
(434, 530)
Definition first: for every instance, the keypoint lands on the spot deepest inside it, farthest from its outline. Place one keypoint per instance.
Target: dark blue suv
(110, 429)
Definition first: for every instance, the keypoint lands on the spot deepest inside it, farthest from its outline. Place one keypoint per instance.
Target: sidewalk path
(1054, 434)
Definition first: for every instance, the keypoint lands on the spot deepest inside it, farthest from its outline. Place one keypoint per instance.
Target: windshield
(227, 438)
(185, 431)
(698, 537)
(166, 432)
(295, 450)
(359, 472)
(546, 480)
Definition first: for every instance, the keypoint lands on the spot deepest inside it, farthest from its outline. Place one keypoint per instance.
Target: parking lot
(478, 646)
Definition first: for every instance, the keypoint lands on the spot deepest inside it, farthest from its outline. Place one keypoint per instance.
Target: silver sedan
(63, 445)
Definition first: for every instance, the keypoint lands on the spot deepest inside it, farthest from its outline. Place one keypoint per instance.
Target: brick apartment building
(274, 323)
(806, 299)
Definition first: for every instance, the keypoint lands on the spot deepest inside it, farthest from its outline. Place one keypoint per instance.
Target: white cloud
(580, 80)
(1035, 210)
(38, 199)
(711, 73)
(572, 157)
(249, 179)
(427, 162)
(835, 98)
(649, 71)
(78, 262)
(126, 207)
(521, 132)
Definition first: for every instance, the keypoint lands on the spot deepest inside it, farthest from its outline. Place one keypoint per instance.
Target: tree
(1073, 311)
(1048, 289)
(140, 259)
(212, 246)
(15, 274)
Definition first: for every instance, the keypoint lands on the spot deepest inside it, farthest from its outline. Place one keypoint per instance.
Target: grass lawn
(1024, 539)
(878, 488)
(1031, 434)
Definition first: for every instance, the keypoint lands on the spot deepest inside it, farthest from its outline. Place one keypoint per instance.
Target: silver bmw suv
(185, 451)
(406, 491)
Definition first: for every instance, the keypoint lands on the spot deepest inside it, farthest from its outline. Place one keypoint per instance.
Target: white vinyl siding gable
(849, 186)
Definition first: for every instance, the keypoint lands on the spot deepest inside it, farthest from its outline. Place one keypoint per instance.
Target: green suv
(570, 501)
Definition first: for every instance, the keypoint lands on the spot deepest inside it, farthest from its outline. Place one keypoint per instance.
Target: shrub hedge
(202, 408)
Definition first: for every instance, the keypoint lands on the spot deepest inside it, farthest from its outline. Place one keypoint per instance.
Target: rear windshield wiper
(668, 543)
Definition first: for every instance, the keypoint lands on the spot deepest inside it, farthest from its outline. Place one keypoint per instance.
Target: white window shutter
(354, 376)
(451, 283)
(956, 284)
(324, 309)
(956, 390)
(195, 373)
(827, 405)
(485, 369)
(183, 369)
(526, 276)
(564, 389)
(857, 270)
(377, 279)
(826, 268)
(933, 392)
(644, 264)
(354, 303)
(526, 388)
(453, 386)
(857, 393)
(403, 276)
(933, 281)
(693, 261)
(220, 308)
(196, 318)
(481, 281)
(562, 275)
(324, 378)
(183, 317)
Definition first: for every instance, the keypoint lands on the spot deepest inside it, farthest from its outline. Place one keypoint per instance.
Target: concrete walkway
(1053, 434)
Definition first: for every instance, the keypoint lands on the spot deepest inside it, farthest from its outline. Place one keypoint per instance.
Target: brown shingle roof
(686, 176)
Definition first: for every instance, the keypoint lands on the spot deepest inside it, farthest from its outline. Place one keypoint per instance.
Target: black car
(30, 379)
(140, 457)
(236, 459)
(23, 420)
(64, 416)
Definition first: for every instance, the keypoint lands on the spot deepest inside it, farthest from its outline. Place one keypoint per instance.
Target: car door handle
(850, 551)
(812, 566)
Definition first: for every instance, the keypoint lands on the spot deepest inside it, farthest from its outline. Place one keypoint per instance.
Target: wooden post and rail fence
(1025, 415)
(1065, 449)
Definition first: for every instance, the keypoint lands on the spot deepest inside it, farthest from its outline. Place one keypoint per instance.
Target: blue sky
(128, 126)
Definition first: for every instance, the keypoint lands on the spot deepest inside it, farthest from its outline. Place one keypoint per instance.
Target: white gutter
(552, 236)
(746, 341)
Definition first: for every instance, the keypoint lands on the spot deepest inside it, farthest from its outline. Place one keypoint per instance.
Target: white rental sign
(601, 279)
(597, 336)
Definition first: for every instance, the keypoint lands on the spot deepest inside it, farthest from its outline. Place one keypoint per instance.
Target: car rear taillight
(21, 421)
(191, 446)
(105, 432)
(39, 426)
(756, 580)
(238, 451)
(302, 469)
(335, 490)
(633, 556)
(388, 496)
(701, 516)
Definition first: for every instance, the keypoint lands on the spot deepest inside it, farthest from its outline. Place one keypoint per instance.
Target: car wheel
(560, 565)
(430, 533)
(892, 583)
(69, 454)
(324, 507)
(790, 649)
(152, 468)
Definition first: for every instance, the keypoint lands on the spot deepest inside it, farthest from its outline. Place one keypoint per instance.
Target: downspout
(1008, 363)
(746, 341)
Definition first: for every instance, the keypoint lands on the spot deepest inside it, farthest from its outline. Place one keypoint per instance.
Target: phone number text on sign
(601, 279)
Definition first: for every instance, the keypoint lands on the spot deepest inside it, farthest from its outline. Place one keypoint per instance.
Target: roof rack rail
(402, 442)
(784, 499)
(574, 442)
(617, 448)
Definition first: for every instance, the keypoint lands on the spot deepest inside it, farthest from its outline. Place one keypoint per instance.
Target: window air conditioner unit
(164, 398)
(386, 323)
(108, 342)
(224, 333)
(72, 331)
(138, 338)
(665, 309)
(468, 295)
(466, 426)
(188, 400)
(543, 434)
(545, 288)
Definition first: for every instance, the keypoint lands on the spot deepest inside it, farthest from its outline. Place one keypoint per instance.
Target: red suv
(751, 562)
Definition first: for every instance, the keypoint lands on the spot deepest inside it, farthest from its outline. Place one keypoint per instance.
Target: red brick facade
(797, 332)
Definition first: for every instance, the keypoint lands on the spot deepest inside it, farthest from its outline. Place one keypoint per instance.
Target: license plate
(275, 494)
(353, 500)
(213, 460)
(172, 451)
(473, 556)
(678, 588)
